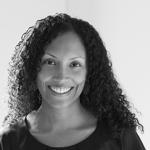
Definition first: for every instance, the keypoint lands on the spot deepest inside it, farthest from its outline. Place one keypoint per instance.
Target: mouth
(60, 90)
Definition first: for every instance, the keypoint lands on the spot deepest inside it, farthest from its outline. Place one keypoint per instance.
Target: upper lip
(60, 86)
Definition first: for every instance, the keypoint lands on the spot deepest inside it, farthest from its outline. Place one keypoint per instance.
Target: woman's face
(63, 70)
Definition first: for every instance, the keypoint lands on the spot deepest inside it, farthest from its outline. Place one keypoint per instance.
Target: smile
(60, 90)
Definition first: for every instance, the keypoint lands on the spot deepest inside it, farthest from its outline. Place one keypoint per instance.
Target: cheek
(41, 81)
(45, 74)
(79, 77)
(79, 88)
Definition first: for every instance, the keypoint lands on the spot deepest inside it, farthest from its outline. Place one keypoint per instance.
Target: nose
(60, 74)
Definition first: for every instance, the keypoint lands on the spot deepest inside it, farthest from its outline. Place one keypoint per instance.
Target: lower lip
(60, 94)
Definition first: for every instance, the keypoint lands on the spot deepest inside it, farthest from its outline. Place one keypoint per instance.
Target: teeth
(60, 90)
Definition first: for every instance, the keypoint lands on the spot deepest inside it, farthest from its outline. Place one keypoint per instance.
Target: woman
(63, 93)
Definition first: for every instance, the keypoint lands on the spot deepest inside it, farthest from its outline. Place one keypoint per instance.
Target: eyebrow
(70, 58)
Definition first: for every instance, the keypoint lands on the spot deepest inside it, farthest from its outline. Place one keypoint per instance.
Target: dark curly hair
(102, 95)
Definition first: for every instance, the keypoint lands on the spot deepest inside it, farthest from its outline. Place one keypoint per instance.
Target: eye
(75, 64)
(48, 62)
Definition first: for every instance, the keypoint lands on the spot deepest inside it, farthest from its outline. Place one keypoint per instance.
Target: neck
(61, 118)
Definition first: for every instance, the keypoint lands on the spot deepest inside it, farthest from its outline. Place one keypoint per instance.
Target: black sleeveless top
(19, 138)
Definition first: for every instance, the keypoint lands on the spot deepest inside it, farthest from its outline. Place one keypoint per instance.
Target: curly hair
(102, 95)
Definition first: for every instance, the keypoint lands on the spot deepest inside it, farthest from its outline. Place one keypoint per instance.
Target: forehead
(67, 44)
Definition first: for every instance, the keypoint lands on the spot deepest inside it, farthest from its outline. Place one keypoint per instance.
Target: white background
(124, 26)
